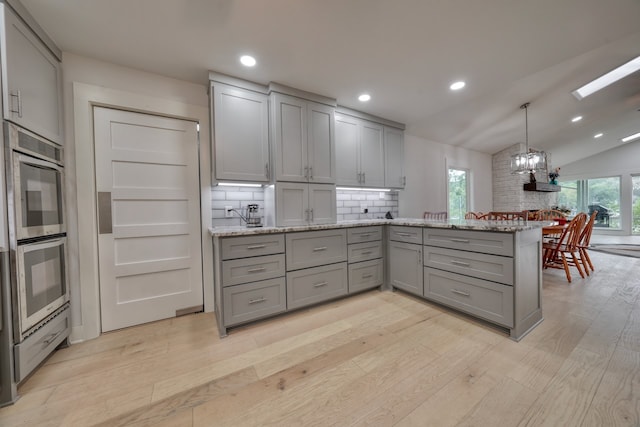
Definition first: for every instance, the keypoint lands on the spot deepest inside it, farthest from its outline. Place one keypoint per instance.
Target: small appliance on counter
(251, 215)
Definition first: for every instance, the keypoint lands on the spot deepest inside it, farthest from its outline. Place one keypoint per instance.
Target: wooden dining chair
(436, 216)
(548, 214)
(473, 215)
(563, 252)
(508, 216)
(585, 241)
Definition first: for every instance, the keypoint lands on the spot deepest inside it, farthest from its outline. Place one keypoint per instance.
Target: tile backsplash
(349, 203)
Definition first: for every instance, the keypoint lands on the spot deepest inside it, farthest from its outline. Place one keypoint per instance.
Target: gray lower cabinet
(401, 233)
(317, 284)
(366, 275)
(405, 267)
(476, 241)
(364, 234)
(314, 248)
(252, 301)
(237, 271)
(481, 298)
(484, 266)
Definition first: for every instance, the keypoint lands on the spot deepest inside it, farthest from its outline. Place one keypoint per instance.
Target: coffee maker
(252, 215)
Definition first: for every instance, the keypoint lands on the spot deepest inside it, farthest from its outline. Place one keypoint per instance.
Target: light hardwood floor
(379, 358)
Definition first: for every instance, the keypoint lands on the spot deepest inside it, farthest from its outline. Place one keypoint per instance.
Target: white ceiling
(405, 53)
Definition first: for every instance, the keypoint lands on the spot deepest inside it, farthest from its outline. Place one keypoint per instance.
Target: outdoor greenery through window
(458, 193)
(601, 194)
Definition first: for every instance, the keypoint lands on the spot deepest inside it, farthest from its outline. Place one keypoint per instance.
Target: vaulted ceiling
(405, 53)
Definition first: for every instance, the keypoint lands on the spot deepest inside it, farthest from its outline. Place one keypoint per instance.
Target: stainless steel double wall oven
(37, 239)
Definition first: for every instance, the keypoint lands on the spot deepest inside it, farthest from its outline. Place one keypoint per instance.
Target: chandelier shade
(529, 161)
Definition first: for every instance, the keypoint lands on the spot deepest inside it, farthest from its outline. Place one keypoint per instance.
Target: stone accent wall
(508, 192)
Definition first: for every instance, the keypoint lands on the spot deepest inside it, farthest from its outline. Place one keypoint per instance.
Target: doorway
(148, 196)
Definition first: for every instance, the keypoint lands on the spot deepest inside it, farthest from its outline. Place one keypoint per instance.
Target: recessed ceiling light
(576, 119)
(598, 135)
(364, 97)
(248, 61)
(611, 77)
(631, 137)
(457, 85)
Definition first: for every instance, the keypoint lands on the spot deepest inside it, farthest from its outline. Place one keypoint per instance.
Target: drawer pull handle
(460, 240)
(320, 284)
(455, 291)
(256, 270)
(51, 338)
(366, 252)
(404, 234)
(367, 276)
(460, 263)
(321, 248)
(257, 300)
(365, 234)
(257, 247)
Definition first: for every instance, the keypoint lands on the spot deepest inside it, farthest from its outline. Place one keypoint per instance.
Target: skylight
(611, 77)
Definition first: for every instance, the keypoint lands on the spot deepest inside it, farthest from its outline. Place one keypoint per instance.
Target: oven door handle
(105, 224)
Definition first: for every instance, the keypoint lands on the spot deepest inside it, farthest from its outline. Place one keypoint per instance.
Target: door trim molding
(83, 240)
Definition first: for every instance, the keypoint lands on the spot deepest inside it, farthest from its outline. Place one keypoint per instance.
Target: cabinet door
(347, 151)
(405, 267)
(394, 158)
(241, 134)
(321, 143)
(292, 204)
(31, 84)
(290, 138)
(322, 204)
(372, 154)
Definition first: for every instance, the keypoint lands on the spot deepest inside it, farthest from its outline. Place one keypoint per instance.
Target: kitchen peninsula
(488, 269)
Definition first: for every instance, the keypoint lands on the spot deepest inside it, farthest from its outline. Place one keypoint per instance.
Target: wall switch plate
(228, 211)
(363, 208)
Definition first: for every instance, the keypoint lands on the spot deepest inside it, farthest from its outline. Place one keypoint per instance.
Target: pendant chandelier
(531, 160)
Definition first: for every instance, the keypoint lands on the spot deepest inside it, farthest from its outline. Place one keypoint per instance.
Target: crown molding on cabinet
(370, 117)
(309, 96)
(235, 81)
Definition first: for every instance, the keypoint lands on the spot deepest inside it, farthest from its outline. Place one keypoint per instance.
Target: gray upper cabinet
(240, 133)
(394, 176)
(360, 159)
(304, 145)
(31, 79)
(301, 204)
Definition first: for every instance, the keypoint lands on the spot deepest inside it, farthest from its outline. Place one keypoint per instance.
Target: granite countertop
(478, 225)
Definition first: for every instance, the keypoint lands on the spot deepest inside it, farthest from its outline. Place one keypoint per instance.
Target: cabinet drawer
(35, 348)
(245, 270)
(366, 275)
(313, 248)
(488, 300)
(364, 234)
(489, 267)
(316, 284)
(475, 241)
(364, 251)
(243, 303)
(247, 246)
(405, 234)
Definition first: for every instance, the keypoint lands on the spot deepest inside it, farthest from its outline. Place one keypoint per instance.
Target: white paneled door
(147, 180)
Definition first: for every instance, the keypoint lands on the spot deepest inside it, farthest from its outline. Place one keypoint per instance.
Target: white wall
(139, 91)
(426, 164)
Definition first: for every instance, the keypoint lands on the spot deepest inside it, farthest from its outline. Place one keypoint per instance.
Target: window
(458, 193)
(601, 194)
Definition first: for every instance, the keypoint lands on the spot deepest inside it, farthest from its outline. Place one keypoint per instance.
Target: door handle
(17, 95)
(105, 224)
